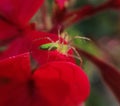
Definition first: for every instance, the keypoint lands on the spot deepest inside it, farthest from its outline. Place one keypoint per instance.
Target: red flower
(31, 43)
(15, 17)
(24, 32)
(14, 25)
(49, 85)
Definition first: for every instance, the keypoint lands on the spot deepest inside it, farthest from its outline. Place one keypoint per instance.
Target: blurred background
(103, 29)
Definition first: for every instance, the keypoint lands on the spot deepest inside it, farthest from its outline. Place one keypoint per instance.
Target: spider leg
(77, 56)
(65, 36)
(59, 34)
(80, 37)
(59, 42)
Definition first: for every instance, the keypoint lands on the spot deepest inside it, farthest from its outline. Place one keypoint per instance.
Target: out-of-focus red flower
(14, 24)
(65, 18)
(115, 4)
(49, 85)
(15, 17)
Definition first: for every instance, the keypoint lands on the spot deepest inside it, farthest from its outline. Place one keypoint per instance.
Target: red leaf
(109, 73)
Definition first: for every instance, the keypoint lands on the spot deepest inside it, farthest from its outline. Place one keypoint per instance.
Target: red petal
(18, 46)
(7, 31)
(56, 56)
(19, 11)
(14, 74)
(62, 83)
(61, 3)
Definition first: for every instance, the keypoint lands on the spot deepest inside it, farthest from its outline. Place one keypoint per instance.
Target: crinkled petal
(14, 75)
(19, 11)
(62, 83)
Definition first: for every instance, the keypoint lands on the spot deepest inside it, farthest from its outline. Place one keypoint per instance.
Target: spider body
(61, 48)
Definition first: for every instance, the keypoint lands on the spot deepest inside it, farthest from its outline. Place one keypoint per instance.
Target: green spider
(61, 47)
